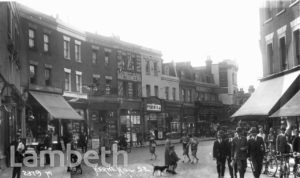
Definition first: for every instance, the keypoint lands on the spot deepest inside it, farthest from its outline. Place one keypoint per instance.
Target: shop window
(33, 74)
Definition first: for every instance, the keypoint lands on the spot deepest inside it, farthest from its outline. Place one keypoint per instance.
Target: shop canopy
(291, 108)
(56, 105)
(267, 95)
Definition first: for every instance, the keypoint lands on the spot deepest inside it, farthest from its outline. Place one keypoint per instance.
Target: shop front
(103, 121)
(11, 114)
(188, 121)
(154, 118)
(173, 119)
(50, 113)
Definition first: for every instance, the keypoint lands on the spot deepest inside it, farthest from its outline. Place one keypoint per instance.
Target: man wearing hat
(220, 153)
(239, 152)
(256, 150)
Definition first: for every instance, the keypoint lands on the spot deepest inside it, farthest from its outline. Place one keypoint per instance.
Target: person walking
(256, 151)
(232, 168)
(186, 147)
(194, 148)
(173, 160)
(239, 152)
(19, 151)
(220, 153)
(152, 146)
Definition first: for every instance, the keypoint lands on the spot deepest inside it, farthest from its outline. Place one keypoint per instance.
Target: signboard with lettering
(153, 107)
(129, 76)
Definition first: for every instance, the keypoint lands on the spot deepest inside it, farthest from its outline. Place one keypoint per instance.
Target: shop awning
(291, 108)
(56, 105)
(266, 96)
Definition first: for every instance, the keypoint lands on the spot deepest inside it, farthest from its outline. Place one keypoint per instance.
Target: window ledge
(268, 20)
(294, 3)
(281, 12)
(67, 58)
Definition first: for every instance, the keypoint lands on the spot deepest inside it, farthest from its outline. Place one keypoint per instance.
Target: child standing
(152, 146)
(194, 148)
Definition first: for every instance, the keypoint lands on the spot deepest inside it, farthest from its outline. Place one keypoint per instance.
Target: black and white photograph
(150, 88)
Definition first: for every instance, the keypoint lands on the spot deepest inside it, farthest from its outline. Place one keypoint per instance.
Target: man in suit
(239, 152)
(220, 153)
(256, 151)
(232, 168)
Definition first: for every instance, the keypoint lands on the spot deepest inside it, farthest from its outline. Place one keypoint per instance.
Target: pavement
(140, 165)
(61, 172)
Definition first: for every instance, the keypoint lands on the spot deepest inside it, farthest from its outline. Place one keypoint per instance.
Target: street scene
(143, 88)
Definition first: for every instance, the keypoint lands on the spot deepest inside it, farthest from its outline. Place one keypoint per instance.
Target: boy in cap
(239, 152)
(220, 153)
(256, 151)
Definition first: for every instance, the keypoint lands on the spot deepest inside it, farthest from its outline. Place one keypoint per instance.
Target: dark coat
(256, 148)
(220, 150)
(281, 144)
(173, 158)
(239, 148)
(296, 144)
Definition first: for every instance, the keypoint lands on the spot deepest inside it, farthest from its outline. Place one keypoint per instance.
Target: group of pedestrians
(236, 149)
(190, 142)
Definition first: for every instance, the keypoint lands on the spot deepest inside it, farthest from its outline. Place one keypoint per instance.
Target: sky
(183, 30)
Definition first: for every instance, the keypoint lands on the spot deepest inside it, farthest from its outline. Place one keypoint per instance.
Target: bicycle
(297, 172)
(271, 165)
(284, 168)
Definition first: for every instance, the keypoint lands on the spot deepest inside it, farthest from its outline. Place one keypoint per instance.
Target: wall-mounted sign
(129, 76)
(153, 107)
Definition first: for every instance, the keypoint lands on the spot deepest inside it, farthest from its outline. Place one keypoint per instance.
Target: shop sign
(153, 107)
